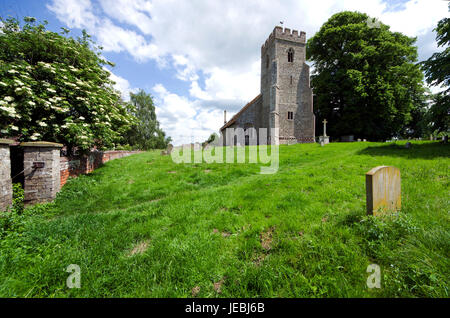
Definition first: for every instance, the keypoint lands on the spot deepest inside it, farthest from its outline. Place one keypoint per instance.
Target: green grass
(301, 232)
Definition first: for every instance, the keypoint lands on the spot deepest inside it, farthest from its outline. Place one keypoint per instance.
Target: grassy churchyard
(143, 226)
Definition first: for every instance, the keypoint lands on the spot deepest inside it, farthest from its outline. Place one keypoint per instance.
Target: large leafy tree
(146, 132)
(366, 80)
(437, 72)
(56, 88)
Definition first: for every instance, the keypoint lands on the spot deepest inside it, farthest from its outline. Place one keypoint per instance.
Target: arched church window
(290, 55)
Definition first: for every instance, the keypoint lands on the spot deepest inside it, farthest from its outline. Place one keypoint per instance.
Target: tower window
(290, 55)
(290, 115)
(267, 61)
(291, 79)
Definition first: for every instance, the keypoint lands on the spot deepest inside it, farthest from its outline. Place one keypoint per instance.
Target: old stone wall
(5, 175)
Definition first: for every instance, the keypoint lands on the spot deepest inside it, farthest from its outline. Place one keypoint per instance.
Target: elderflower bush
(55, 88)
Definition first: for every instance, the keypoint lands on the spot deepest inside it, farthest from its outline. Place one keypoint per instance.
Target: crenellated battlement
(284, 34)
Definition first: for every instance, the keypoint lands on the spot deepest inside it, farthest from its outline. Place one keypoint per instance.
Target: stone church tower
(286, 99)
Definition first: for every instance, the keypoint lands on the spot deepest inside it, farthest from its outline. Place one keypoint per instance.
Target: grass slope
(143, 226)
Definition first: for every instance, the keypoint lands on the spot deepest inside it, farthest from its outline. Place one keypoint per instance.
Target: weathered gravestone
(168, 151)
(383, 190)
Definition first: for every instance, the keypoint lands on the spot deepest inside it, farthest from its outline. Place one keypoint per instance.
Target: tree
(213, 137)
(55, 88)
(437, 72)
(366, 82)
(145, 133)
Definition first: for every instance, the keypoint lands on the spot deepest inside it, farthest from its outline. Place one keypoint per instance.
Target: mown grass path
(143, 226)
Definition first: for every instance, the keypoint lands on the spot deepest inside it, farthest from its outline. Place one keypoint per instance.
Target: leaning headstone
(359, 139)
(408, 145)
(364, 140)
(383, 190)
(445, 139)
(169, 149)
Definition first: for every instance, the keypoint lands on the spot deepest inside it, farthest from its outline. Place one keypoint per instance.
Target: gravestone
(348, 138)
(383, 190)
(168, 151)
(324, 139)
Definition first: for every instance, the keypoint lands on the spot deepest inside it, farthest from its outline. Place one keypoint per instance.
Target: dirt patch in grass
(258, 259)
(171, 171)
(266, 238)
(139, 248)
(207, 171)
(195, 291)
(226, 234)
(218, 285)
(130, 181)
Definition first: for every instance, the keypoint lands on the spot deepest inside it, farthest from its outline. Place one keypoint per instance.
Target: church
(286, 99)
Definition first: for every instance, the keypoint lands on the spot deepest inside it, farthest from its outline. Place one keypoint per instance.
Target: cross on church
(324, 127)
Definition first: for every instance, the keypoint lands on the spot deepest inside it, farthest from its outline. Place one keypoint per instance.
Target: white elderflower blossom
(3, 84)
(42, 124)
(15, 128)
(12, 72)
(81, 118)
(51, 90)
(9, 98)
(31, 103)
(35, 136)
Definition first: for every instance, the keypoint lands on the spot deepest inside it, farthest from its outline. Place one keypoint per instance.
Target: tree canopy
(366, 80)
(56, 88)
(437, 72)
(145, 133)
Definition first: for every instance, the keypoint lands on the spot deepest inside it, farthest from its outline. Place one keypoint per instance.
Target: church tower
(287, 101)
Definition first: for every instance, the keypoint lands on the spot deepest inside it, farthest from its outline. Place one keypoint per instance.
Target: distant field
(143, 226)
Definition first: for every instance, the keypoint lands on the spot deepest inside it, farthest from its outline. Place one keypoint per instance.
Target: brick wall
(74, 166)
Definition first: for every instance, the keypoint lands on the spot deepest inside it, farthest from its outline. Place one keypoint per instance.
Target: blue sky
(198, 58)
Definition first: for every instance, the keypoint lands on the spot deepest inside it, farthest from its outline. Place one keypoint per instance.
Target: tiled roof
(233, 119)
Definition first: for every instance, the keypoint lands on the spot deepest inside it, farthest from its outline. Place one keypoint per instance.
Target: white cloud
(183, 119)
(214, 46)
(122, 85)
(75, 13)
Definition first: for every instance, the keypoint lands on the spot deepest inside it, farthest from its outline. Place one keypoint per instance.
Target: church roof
(233, 119)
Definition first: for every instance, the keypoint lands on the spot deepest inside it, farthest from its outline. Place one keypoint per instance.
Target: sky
(198, 58)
